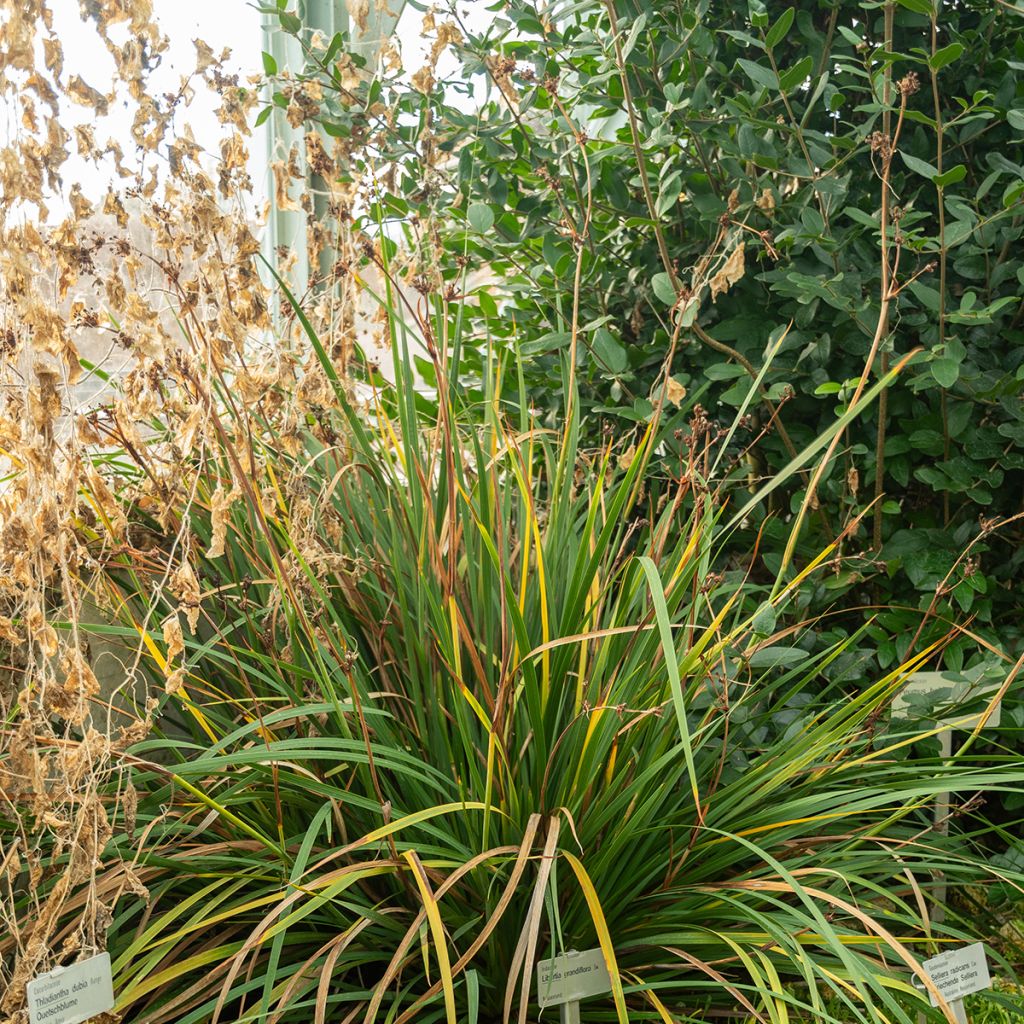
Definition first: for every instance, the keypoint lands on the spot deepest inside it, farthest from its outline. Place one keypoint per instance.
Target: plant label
(571, 977)
(959, 972)
(927, 691)
(943, 696)
(70, 995)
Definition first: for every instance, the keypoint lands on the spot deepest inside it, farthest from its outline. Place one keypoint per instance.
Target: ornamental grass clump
(443, 699)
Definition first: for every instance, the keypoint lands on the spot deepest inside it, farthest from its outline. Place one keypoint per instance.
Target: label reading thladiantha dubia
(71, 995)
(571, 977)
(959, 972)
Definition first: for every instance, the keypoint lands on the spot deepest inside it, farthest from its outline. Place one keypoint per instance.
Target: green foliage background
(691, 127)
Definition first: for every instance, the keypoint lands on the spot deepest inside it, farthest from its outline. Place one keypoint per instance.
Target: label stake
(957, 973)
(566, 979)
(939, 684)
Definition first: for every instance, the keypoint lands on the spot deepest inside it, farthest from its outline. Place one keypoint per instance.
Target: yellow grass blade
(603, 935)
(416, 817)
(437, 931)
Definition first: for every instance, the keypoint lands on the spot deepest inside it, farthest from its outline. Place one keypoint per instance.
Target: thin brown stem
(638, 151)
(883, 398)
(942, 250)
(666, 260)
(742, 360)
(886, 149)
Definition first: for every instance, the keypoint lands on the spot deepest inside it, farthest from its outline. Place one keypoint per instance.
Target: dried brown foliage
(162, 274)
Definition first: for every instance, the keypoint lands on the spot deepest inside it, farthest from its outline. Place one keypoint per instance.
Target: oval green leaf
(481, 217)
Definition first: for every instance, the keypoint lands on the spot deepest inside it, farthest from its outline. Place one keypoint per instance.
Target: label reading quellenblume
(572, 977)
(71, 995)
(959, 972)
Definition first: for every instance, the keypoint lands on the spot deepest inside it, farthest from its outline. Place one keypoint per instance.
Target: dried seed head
(504, 66)
(909, 84)
(881, 144)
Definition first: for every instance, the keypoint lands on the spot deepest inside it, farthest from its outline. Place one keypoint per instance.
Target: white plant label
(951, 692)
(572, 977)
(70, 995)
(959, 972)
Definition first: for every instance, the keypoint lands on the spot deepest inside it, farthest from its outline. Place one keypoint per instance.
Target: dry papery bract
(158, 279)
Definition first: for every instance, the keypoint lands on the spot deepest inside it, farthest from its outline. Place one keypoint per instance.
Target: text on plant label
(959, 972)
(571, 977)
(71, 995)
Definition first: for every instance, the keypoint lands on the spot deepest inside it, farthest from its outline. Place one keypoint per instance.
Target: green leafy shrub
(848, 169)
